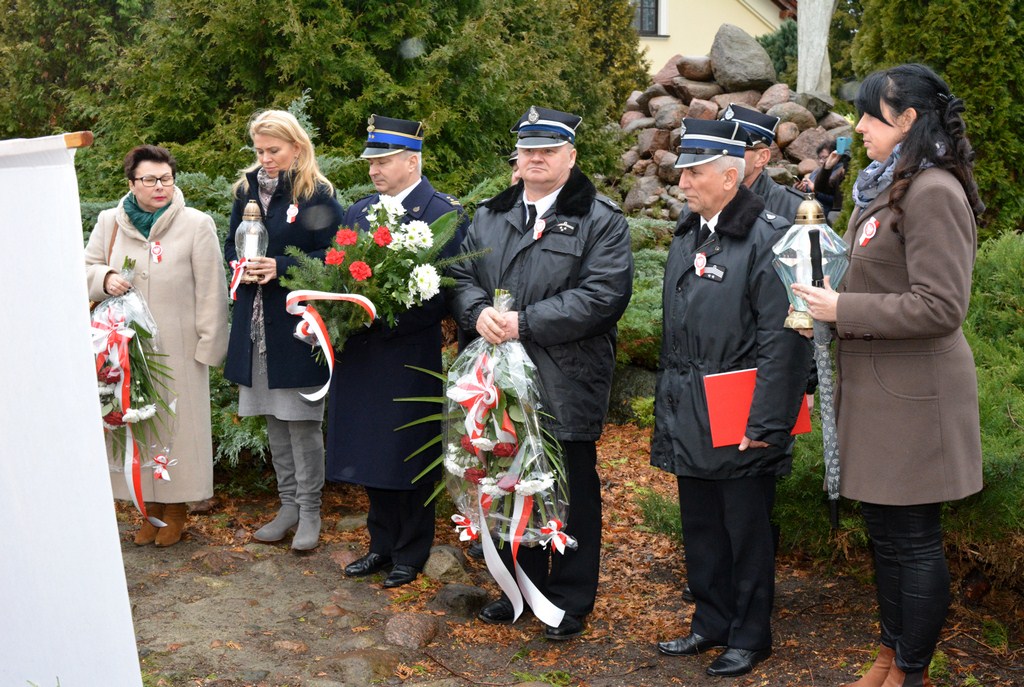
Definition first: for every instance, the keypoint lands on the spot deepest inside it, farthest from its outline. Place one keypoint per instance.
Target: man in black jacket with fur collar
(563, 252)
(724, 309)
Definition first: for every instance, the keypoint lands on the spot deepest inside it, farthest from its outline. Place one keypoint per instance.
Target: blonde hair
(305, 173)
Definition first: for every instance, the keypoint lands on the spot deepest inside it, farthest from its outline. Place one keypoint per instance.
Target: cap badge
(371, 126)
(534, 116)
(729, 114)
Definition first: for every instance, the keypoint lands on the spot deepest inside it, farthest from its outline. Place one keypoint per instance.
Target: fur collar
(737, 217)
(576, 198)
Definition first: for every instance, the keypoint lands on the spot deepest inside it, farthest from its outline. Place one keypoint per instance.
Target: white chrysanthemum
(418, 235)
(106, 389)
(426, 281)
(457, 460)
(139, 414)
(529, 487)
(391, 209)
(489, 486)
(483, 443)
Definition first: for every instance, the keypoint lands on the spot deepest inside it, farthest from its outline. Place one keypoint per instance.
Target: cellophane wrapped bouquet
(503, 471)
(134, 384)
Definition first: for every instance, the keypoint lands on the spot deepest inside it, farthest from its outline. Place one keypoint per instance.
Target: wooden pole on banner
(78, 139)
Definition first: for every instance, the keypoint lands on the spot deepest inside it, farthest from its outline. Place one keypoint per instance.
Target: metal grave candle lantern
(793, 257)
(251, 237)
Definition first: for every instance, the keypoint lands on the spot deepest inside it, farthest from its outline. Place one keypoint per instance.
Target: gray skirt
(284, 404)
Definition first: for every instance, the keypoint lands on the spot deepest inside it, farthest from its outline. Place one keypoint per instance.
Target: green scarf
(142, 220)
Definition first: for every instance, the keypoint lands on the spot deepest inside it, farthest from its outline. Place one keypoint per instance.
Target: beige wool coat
(187, 294)
(907, 405)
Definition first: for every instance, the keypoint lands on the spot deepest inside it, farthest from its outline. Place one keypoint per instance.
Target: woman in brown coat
(907, 407)
(180, 273)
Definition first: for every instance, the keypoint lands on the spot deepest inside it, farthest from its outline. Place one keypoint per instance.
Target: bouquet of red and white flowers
(137, 401)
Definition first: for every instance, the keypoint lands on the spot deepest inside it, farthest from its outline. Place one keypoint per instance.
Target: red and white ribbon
(554, 536)
(312, 325)
(237, 273)
(464, 526)
(160, 468)
(477, 393)
(699, 263)
(869, 231)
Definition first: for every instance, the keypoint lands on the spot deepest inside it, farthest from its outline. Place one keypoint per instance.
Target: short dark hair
(825, 145)
(148, 153)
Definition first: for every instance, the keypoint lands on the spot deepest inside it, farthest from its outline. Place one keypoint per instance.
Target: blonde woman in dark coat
(907, 408)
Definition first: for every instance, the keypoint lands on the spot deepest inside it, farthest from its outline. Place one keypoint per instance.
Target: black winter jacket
(570, 287)
(729, 319)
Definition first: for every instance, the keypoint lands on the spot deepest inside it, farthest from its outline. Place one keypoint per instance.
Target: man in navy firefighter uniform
(724, 309)
(562, 250)
(362, 446)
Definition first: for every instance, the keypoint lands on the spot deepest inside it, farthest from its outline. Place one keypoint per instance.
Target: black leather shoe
(733, 662)
(498, 612)
(476, 550)
(570, 627)
(367, 565)
(688, 594)
(690, 645)
(401, 574)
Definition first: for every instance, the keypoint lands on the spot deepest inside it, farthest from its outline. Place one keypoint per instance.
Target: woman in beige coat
(907, 407)
(180, 273)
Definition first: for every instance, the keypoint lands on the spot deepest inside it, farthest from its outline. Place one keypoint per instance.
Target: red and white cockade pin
(700, 261)
(538, 228)
(870, 229)
(157, 251)
(292, 213)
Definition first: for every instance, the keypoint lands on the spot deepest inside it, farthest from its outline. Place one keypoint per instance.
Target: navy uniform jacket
(778, 199)
(362, 446)
(290, 363)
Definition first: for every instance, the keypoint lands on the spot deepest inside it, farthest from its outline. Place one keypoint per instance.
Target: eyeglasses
(150, 180)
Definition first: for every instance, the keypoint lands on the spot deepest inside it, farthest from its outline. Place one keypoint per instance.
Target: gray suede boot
(308, 449)
(282, 457)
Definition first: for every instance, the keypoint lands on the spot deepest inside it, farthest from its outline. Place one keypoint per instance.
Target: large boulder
(650, 140)
(791, 112)
(745, 98)
(786, 133)
(658, 102)
(779, 93)
(688, 89)
(696, 67)
(670, 116)
(629, 158)
(633, 102)
(702, 109)
(630, 116)
(819, 104)
(833, 120)
(652, 91)
(667, 171)
(806, 144)
(738, 62)
(642, 122)
(668, 72)
(645, 191)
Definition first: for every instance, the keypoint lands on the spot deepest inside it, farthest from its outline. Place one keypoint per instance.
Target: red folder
(729, 397)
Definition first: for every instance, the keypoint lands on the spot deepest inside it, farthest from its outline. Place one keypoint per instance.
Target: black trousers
(730, 557)
(400, 525)
(569, 580)
(911, 577)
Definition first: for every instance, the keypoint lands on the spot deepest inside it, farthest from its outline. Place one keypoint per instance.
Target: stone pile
(737, 70)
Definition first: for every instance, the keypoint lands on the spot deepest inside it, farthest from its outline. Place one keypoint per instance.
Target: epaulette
(609, 202)
(452, 200)
(777, 221)
(795, 192)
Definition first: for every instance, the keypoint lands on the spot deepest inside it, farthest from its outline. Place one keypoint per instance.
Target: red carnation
(360, 271)
(335, 256)
(504, 449)
(114, 418)
(346, 237)
(382, 236)
(467, 444)
(474, 475)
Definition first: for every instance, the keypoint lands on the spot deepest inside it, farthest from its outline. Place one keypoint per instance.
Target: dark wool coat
(370, 373)
(907, 406)
(290, 363)
(570, 288)
(713, 326)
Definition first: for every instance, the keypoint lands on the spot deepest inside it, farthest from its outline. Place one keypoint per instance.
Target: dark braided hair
(938, 134)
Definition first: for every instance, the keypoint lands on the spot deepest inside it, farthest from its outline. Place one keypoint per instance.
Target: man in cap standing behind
(760, 129)
(724, 308)
(372, 371)
(563, 252)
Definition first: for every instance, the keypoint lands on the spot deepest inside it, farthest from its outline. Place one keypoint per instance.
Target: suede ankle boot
(287, 517)
(174, 515)
(878, 671)
(147, 533)
(897, 678)
(307, 536)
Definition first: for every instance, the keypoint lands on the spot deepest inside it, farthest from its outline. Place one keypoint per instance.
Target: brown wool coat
(907, 407)
(187, 294)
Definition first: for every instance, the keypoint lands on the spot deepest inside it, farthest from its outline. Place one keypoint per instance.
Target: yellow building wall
(689, 26)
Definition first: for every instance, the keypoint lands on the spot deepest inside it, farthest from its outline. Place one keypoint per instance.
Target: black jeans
(911, 577)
